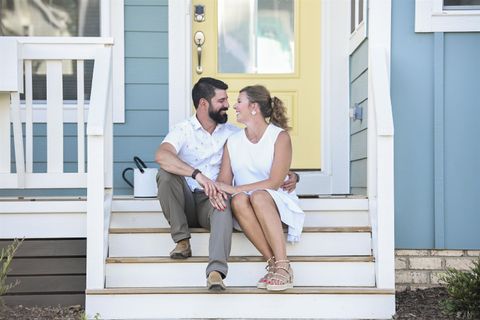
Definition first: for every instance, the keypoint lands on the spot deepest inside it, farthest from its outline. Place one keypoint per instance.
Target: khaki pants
(183, 209)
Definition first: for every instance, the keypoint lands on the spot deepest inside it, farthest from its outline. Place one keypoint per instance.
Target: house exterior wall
(359, 128)
(435, 98)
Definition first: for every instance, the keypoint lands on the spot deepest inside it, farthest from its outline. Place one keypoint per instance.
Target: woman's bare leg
(243, 212)
(267, 213)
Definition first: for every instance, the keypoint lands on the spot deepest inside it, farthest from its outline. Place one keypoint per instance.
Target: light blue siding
(146, 87)
(435, 97)
(146, 97)
(358, 128)
(462, 134)
(146, 18)
(146, 70)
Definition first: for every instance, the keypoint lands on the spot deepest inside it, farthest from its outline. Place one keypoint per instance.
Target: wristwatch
(195, 172)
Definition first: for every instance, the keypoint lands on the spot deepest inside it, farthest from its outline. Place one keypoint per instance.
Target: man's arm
(166, 156)
(291, 183)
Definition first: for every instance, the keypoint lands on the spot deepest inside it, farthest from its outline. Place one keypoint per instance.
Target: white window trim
(360, 32)
(431, 17)
(334, 177)
(111, 25)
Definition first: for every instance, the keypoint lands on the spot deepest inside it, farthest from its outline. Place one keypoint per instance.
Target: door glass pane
(256, 36)
(65, 18)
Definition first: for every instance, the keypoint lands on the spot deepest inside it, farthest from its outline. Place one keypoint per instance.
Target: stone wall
(420, 269)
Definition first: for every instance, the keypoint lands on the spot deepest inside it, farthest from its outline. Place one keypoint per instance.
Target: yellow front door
(275, 43)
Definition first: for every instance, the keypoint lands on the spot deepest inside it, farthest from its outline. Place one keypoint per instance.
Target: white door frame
(335, 175)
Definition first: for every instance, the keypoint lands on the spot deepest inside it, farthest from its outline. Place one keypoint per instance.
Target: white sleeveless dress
(252, 162)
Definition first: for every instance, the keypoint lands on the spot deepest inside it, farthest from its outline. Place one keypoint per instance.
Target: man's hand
(291, 183)
(208, 185)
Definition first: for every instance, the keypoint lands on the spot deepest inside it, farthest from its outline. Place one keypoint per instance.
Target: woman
(257, 160)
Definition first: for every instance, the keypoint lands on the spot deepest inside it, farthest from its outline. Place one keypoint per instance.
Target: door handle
(199, 39)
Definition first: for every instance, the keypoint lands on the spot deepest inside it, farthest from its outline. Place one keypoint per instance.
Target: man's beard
(217, 116)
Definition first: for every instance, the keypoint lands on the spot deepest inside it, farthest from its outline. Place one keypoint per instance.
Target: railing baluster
(80, 116)
(4, 132)
(54, 117)
(28, 117)
(18, 139)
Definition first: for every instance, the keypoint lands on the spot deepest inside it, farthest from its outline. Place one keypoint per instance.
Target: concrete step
(157, 242)
(243, 272)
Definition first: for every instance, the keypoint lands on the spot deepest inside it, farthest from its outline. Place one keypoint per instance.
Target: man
(190, 158)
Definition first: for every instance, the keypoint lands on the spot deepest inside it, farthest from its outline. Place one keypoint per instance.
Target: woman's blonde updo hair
(272, 108)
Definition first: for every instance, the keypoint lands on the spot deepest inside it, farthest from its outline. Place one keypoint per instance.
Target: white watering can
(144, 180)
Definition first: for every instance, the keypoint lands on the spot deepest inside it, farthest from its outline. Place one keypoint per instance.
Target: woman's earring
(253, 112)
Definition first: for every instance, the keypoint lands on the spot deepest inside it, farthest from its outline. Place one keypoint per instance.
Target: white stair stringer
(241, 303)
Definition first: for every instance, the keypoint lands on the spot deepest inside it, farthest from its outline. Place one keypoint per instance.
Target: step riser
(312, 244)
(312, 219)
(274, 306)
(331, 274)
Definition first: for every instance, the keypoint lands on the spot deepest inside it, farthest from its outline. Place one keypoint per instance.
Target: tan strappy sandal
(279, 281)
(270, 267)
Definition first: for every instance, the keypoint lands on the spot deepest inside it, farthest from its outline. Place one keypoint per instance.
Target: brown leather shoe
(182, 250)
(215, 281)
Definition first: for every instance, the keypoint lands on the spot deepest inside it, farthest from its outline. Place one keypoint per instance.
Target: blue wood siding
(435, 97)
(359, 128)
(146, 87)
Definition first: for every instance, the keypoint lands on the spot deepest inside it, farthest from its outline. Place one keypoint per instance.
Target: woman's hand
(226, 188)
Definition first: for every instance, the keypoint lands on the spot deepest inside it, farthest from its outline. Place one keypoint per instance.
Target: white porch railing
(98, 176)
(380, 168)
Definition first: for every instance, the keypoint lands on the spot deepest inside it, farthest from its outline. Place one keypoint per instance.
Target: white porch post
(380, 153)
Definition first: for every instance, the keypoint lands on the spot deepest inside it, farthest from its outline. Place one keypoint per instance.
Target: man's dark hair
(205, 88)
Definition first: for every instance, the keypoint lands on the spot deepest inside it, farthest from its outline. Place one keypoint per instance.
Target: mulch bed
(419, 304)
(41, 313)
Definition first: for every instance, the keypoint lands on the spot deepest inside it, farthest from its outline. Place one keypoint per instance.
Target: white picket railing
(98, 176)
(381, 167)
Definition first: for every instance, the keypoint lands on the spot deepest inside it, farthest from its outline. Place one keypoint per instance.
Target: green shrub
(6, 256)
(464, 292)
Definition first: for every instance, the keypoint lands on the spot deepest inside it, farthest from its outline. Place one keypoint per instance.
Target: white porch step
(143, 242)
(243, 272)
(198, 303)
(156, 219)
(320, 212)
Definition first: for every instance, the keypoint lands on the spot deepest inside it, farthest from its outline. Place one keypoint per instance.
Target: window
(267, 47)
(461, 4)
(69, 18)
(358, 28)
(447, 15)
(52, 18)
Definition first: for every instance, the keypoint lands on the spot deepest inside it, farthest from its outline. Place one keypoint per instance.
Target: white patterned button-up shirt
(198, 148)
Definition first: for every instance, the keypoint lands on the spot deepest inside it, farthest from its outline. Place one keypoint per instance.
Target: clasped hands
(218, 192)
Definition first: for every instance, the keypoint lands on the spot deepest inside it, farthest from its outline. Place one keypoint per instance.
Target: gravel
(419, 304)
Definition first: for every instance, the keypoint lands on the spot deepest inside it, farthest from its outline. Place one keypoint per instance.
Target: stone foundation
(420, 269)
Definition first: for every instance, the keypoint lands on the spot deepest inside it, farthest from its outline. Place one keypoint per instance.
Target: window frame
(431, 16)
(360, 32)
